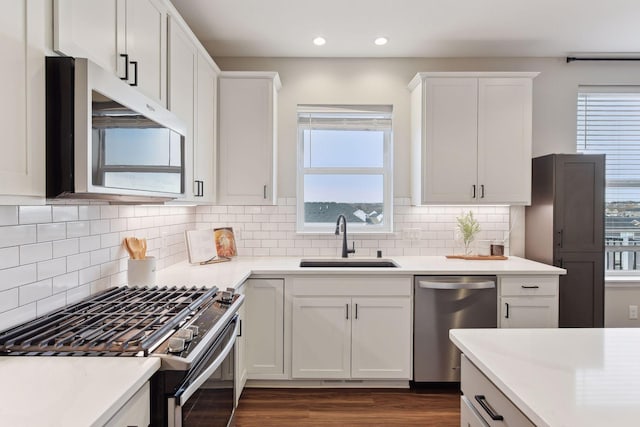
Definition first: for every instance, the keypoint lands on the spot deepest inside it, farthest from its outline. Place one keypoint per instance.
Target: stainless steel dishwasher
(442, 303)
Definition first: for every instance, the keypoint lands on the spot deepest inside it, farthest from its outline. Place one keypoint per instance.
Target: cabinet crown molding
(461, 74)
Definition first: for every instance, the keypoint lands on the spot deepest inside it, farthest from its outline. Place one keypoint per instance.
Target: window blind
(609, 123)
(370, 117)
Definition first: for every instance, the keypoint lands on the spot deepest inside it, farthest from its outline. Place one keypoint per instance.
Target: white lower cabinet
(136, 412)
(469, 417)
(528, 302)
(354, 335)
(381, 338)
(486, 401)
(264, 328)
(321, 337)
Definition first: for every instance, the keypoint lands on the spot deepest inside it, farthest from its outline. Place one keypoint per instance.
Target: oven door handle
(183, 395)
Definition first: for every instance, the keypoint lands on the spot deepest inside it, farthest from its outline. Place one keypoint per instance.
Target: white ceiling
(415, 28)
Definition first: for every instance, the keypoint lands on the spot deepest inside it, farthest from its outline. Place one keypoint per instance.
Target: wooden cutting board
(479, 257)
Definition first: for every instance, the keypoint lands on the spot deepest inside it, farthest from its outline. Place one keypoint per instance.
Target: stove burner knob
(186, 334)
(194, 329)
(176, 345)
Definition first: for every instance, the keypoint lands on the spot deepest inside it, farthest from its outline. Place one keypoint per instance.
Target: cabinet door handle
(126, 66)
(473, 191)
(264, 191)
(346, 306)
(530, 287)
(482, 191)
(201, 188)
(506, 314)
(356, 311)
(560, 263)
(135, 73)
(240, 328)
(561, 238)
(482, 400)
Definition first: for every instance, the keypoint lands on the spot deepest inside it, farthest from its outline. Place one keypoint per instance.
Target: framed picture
(225, 242)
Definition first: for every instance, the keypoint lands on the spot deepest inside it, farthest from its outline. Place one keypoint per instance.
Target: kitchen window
(609, 123)
(344, 167)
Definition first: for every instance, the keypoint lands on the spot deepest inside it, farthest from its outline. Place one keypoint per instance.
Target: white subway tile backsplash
(35, 291)
(89, 212)
(65, 213)
(100, 256)
(9, 299)
(17, 315)
(50, 268)
(99, 226)
(9, 257)
(65, 247)
(36, 252)
(17, 276)
(89, 243)
(76, 294)
(51, 303)
(17, 235)
(34, 214)
(79, 248)
(8, 215)
(88, 275)
(52, 231)
(65, 282)
(78, 261)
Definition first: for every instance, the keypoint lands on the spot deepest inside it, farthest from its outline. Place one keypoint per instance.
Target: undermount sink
(348, 262)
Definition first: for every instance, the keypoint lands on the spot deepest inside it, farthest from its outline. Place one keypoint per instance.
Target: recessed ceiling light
(380, 41)
(319, 41)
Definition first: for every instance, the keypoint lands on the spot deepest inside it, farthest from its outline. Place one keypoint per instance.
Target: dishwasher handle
(487, 284)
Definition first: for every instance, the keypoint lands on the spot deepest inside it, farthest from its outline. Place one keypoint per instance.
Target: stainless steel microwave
(105, 140)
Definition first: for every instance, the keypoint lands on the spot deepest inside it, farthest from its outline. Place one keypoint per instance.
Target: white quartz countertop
(236, 271)
(561, 377)
(69, 391)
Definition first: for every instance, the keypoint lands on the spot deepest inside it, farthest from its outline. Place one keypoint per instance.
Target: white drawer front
(479, 390)
(469, 417)
(528, 285)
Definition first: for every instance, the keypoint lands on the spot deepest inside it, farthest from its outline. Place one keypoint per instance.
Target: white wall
(618, 297)
(384, 81)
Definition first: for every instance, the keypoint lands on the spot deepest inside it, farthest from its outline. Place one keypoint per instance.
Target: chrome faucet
(345, 251)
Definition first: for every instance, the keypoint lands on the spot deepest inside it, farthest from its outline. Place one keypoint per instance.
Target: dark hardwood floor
(261, 407)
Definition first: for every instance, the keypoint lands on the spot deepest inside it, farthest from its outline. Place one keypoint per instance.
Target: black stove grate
(121, 321)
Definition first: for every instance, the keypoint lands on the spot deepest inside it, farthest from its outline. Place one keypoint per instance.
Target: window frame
(610, 183)
(386, 171)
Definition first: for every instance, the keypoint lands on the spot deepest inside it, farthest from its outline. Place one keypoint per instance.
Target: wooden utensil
(137, 248)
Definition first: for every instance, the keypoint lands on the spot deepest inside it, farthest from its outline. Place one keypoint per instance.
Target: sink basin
(348, 262)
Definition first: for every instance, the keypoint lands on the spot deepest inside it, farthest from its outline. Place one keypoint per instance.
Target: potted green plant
(468, 227)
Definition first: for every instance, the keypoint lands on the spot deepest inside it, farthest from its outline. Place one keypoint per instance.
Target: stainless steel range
(192, 330)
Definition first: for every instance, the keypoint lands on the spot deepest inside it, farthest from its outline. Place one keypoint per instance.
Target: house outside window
(609, 123)
(344, 167)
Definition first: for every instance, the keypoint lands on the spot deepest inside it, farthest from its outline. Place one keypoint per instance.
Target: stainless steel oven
(192, 330)
(205, 397)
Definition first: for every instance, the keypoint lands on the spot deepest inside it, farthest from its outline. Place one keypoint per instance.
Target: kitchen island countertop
(69, 391)
(561, 377)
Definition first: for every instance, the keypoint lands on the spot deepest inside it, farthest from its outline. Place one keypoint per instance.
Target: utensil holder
(142, 271)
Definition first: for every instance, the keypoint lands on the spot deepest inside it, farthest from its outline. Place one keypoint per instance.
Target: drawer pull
(530, 287)
(485, 405)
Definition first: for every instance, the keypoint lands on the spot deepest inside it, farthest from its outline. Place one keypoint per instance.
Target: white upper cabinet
(471, 138)
(192, 97)
(126, 37)
(182, 79)
(22, 110)
(247, 141)
(205, 131)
